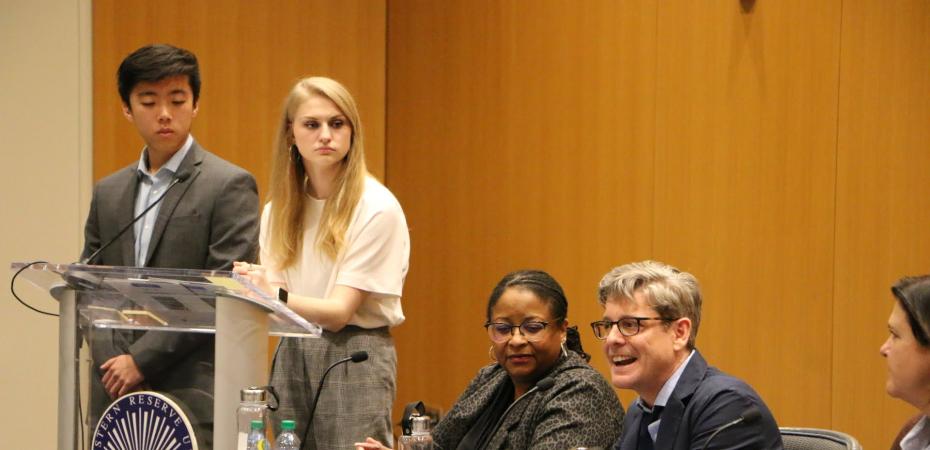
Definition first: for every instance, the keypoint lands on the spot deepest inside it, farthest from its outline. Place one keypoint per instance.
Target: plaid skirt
(356, 398)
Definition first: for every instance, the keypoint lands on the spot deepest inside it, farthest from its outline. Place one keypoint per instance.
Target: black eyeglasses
(628, 326)
(532, 330)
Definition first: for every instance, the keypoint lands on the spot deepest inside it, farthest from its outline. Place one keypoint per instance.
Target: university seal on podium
(144, 421)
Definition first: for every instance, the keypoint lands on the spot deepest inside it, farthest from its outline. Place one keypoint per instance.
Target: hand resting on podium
(121, 375)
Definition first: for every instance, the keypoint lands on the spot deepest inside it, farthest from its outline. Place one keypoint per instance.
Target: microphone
(179, 178)
(545, 384)
(542, 385)
(356, 357)
(750, 415)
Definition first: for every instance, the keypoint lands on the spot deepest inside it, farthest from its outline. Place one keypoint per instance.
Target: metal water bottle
(253, 406)
(419, 437)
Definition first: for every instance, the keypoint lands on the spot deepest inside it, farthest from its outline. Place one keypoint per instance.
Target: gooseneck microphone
(545, 384)
(356, 358)
(542, 385)
(750, 415)
(179, 178)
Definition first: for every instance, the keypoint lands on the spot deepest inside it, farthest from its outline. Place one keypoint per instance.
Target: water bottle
(419, 437)
(253, 406)
(257, 439)
(287, 440)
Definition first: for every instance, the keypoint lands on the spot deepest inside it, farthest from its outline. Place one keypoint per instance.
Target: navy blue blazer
(705, 399)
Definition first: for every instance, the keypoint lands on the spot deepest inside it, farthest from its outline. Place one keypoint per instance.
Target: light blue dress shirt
(663, 396)
(918, 438)
(151, 187)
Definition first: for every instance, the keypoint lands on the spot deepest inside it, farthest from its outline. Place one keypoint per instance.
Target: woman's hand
(370, 444)
(255, 274)
(332, 313)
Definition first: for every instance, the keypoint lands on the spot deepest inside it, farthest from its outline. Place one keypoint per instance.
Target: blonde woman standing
(335, 246)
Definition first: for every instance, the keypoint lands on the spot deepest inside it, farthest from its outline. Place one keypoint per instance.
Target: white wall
(45, 179)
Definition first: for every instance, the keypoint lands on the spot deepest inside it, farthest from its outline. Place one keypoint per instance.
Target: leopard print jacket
(580, 409)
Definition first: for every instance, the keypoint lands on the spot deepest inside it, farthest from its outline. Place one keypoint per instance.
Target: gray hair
(672, 293)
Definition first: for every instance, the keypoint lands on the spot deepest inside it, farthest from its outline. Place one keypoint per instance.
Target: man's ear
(681, 331)
(127, 112)
(196, 106)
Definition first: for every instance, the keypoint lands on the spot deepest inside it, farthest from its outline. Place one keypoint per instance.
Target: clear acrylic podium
(97, 298)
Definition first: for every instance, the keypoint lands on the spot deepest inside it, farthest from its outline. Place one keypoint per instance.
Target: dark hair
(548, 290)
(157, 62)
(913, 294)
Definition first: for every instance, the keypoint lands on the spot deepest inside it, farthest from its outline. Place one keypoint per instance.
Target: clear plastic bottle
(253, 406)
(419, 437)
(287, 440)
(257, 440)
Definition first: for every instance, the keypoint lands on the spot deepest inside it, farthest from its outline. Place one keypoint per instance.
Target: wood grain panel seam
(387, 93)
(655, 129)
(836, 187)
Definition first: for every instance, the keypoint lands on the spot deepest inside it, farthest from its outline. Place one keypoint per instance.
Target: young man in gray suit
(651, 317)
(207, 219)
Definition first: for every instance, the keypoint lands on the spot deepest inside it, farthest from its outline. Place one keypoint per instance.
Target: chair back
(817, 439)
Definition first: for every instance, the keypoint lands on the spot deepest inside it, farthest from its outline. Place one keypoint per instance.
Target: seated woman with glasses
(540, 392)
(907, 354)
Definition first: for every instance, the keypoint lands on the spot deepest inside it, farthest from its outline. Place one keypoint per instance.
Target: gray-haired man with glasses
(651, 317)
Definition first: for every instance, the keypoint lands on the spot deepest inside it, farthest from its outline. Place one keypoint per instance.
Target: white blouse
(374, 258)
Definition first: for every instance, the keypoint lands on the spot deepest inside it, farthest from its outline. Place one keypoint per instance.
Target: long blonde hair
(289, 179)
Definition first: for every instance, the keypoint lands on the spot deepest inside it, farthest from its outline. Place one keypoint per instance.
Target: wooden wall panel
(774, 149)
(519, 137)
(882, 214)
(250, 55)
(745, 144)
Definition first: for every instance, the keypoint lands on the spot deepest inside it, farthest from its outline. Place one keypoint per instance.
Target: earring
(564, 350)
(491, 354)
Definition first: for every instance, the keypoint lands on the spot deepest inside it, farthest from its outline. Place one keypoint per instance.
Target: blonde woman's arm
(332, 313)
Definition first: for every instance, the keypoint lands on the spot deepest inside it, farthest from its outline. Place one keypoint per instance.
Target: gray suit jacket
(705, 399)
(206, 221)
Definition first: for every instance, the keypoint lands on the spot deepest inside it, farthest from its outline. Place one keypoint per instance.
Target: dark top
(579, 409)
(704, 400)
(484, 427)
